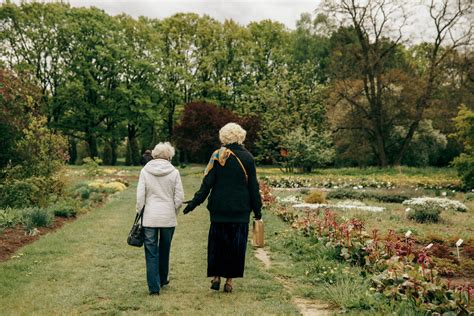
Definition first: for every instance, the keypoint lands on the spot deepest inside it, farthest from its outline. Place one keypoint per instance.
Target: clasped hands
(191, 206)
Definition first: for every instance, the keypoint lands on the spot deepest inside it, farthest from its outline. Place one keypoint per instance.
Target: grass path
(86, 267)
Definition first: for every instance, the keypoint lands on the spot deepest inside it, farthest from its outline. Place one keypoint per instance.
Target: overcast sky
(242, 11)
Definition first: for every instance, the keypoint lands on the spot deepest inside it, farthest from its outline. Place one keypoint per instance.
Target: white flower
(407, 209)
(443, 193)
(429, 246)
(344, 205)
(459, 242)
(291, 199)
(436, 203)
(408, 234)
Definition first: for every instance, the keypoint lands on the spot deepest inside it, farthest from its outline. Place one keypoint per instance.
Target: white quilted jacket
(161, 192)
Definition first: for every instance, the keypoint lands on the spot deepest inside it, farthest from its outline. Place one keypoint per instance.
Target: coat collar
(234, 146)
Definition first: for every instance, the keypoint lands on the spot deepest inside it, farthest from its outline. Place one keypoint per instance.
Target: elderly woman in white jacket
(160, 192)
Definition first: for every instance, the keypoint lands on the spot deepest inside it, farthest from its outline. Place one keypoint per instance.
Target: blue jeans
(157, 255)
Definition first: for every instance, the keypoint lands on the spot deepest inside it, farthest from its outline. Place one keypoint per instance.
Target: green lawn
(87, 267)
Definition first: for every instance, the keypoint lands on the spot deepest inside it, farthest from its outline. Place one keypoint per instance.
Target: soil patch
(262, 255)
(13, 239)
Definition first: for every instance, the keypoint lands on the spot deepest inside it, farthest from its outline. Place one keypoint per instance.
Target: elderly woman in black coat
(231, 180)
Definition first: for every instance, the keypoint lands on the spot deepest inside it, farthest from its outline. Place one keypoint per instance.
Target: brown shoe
(227, 288)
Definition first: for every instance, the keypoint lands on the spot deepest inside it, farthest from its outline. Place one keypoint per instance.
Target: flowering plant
(441, 204)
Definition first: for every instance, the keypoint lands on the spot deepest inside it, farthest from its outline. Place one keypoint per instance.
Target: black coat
(232, 198)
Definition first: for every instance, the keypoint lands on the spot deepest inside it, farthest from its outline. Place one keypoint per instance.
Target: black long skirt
(227, 244)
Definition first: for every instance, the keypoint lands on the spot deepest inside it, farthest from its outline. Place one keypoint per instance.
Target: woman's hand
(189, 208)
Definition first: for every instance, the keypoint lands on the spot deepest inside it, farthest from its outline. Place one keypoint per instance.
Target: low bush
(467, 267)
(19, 194)
(441, 251)
(30, 192)
(10, 218)
(446, 267)
(406, 281)
(439, 204)
(83, 192)
(469, 197)
(427, 215)
(97, 197)
(37, 217)
(345, 194)
(92, 165)
(63, 210)
(468, 251)
(316, 197)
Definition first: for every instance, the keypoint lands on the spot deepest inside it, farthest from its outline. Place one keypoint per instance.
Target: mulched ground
(14, 238)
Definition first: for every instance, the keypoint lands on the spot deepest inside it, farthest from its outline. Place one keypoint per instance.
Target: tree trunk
(406, 142)
(133, 150)
(380, 148)
(91, 140)
(113, 145)
(72, 150)
(109, 156)
(169, 122)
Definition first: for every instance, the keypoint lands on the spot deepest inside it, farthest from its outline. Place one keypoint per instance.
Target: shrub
(468, 251)
(316, 197)
(19, 194)
(440, 204)
(97, 197)
(446, 267)
(83, 192)
(344, 194)
(424, 215)
(10, 218)
(465, 134)
(197, 134)
(467, 267)
(63, 210)
(308, 149)
(37, 217)
(469, 197)
(441, 251)
(92, 165)
(107, 187)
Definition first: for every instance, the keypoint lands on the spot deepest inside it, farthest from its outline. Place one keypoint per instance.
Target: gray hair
(163, 151)
(232, 133)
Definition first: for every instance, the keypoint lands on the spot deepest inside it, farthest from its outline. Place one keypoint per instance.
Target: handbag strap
(139, 216)
(241, 165)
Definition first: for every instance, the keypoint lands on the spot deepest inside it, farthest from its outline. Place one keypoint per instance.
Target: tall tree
(377, 86)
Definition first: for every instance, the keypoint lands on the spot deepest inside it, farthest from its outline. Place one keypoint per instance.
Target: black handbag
(135, 237)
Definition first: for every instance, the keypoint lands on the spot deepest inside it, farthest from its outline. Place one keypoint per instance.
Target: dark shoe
(165, 283)
(215, 285)
(227, 288)
(155, 293)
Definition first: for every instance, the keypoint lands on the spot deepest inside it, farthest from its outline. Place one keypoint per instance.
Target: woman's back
(159, 183)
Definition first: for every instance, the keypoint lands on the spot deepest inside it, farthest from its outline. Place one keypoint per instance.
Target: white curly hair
(232, 133)
(163, 151)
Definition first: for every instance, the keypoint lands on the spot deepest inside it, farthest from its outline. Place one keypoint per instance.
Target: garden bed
(396, 255)
(12, 239)
(85, 190)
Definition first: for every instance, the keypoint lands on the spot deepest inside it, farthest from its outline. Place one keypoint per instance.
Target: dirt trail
(307, 307)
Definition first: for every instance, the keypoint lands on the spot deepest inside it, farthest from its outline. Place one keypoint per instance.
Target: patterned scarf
(221, 155)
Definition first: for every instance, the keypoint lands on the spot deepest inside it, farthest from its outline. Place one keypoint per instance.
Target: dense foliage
(465, 134)
(115, 85)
